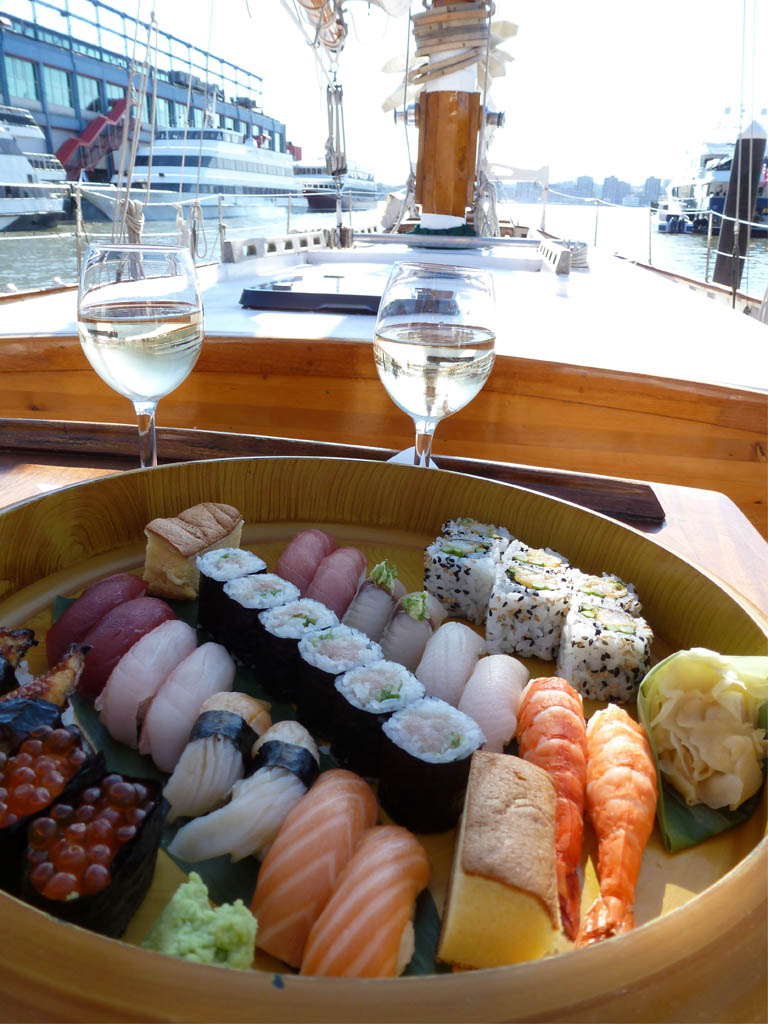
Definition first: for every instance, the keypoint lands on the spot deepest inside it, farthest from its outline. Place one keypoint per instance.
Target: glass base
(408, 458)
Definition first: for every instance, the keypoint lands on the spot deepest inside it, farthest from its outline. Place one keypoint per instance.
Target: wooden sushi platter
(699, 951)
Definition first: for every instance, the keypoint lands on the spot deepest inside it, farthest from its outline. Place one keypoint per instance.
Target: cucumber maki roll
(325, 654)
(365, 698)
(282, 628)
(459, 572)
(468, 527)
(217, 568)
(425, 757)
(244, 598)
(606, 590)
(90, 860)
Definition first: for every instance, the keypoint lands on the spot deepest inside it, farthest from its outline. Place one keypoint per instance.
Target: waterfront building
(651, 190)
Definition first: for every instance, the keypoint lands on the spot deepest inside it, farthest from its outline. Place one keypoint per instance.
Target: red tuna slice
(299, 562)
(115, 634)
(92, 605)
(336, 580)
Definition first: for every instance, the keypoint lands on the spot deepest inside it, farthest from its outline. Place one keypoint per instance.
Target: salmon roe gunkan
(69, 852)
(38, 771)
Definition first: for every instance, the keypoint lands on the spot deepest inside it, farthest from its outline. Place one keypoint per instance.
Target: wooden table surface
(702, 526)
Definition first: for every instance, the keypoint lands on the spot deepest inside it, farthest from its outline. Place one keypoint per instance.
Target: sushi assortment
(423, 708)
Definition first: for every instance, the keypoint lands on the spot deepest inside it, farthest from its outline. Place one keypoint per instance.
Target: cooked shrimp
(621, 803)
(551, 733)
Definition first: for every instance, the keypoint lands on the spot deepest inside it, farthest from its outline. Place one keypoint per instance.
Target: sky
(597, 88)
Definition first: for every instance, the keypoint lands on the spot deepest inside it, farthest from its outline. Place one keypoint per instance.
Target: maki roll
(90, 860)
(217, 754)
(468, 527)
(365, 698)
(605, 652)
(325, 654)
(408, 630)
(14, 644)
(217, 568)
(240, 629)
(459, 572)
(425, 758)
(282, 628)
(374, 601)
(606, 590)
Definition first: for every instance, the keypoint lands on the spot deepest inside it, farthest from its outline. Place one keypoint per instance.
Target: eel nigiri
(315, 841)
(374, 601)
(219, 747)
(336, 579)
(406, 634)
(299, 561)
(115, 634)
(551, 733)
(492, 698)
(138, 676)
(93, 604)
(287, 762)
(448, 661)
(167, 724)
(365, 930)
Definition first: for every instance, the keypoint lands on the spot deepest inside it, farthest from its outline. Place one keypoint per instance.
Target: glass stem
(145, 411)
(425, 434)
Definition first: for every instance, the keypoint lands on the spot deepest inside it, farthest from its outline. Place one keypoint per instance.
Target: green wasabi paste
(192, 929)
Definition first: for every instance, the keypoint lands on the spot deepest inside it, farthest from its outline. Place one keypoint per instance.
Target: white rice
(367, 688)
(294, 620)
(265, 590)
(338, 649)
(226, 564)
(433, 731)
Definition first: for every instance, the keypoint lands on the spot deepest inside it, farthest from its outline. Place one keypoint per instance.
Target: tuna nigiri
(219, 748)
(287, 763)
(93, 604)
(298, 874)
(449, 660)
(492, 698)
(299, 562)
(138, 676)
(207, 670)
(336, 579)
(365, 930)
(115, 634)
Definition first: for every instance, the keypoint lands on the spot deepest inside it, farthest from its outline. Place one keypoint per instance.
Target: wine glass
(140, 319)
(434, 343)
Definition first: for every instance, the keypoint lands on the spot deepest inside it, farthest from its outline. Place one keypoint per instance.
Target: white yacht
(27, 172)
(359, 189)
(202, 164)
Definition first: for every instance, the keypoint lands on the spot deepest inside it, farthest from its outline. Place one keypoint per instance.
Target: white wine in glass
(140, 319)
(434, 343)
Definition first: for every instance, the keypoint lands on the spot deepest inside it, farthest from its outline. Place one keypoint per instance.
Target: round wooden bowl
(701, 953)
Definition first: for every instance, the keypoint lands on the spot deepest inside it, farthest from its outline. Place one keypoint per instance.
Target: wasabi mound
(192, 929)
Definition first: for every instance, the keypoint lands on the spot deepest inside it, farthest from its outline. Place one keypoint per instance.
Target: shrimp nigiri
(621, 803)
(365, 930)
(551, 733)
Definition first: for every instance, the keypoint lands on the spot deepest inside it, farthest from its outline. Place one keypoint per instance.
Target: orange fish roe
(39, 770)
(69, 853)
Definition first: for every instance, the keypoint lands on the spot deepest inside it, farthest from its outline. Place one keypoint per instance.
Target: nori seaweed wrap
(216, 568)
(364, 699)
(14, 644)
(425, 757)
(49, 763)
(241, 632)
(91, 861)
(282, 628)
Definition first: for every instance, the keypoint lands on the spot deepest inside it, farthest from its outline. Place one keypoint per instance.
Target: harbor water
(38, 259)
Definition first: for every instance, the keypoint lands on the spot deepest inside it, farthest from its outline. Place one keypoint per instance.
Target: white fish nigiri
(492, 697)
(436, 612)
(449, 660)
(138, 676)
(172, 713)
(249, 823)
(405, 635)
(226, 727)
(374, 601)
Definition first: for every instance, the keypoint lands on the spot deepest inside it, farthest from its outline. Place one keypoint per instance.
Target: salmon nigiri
(365, 930)
(297, 877)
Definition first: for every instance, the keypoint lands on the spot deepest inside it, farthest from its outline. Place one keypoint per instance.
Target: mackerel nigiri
(287, 763)
(172, 713)
(492, 698)
(374, 601)
(216, 756)
(315, 841)
(299, 561)
(336, 579)
(448, 661)
(365, 930)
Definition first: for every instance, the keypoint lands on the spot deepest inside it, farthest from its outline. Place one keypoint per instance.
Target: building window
(162, 113)
(22, 78)
(88, 93)
(58, 86)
